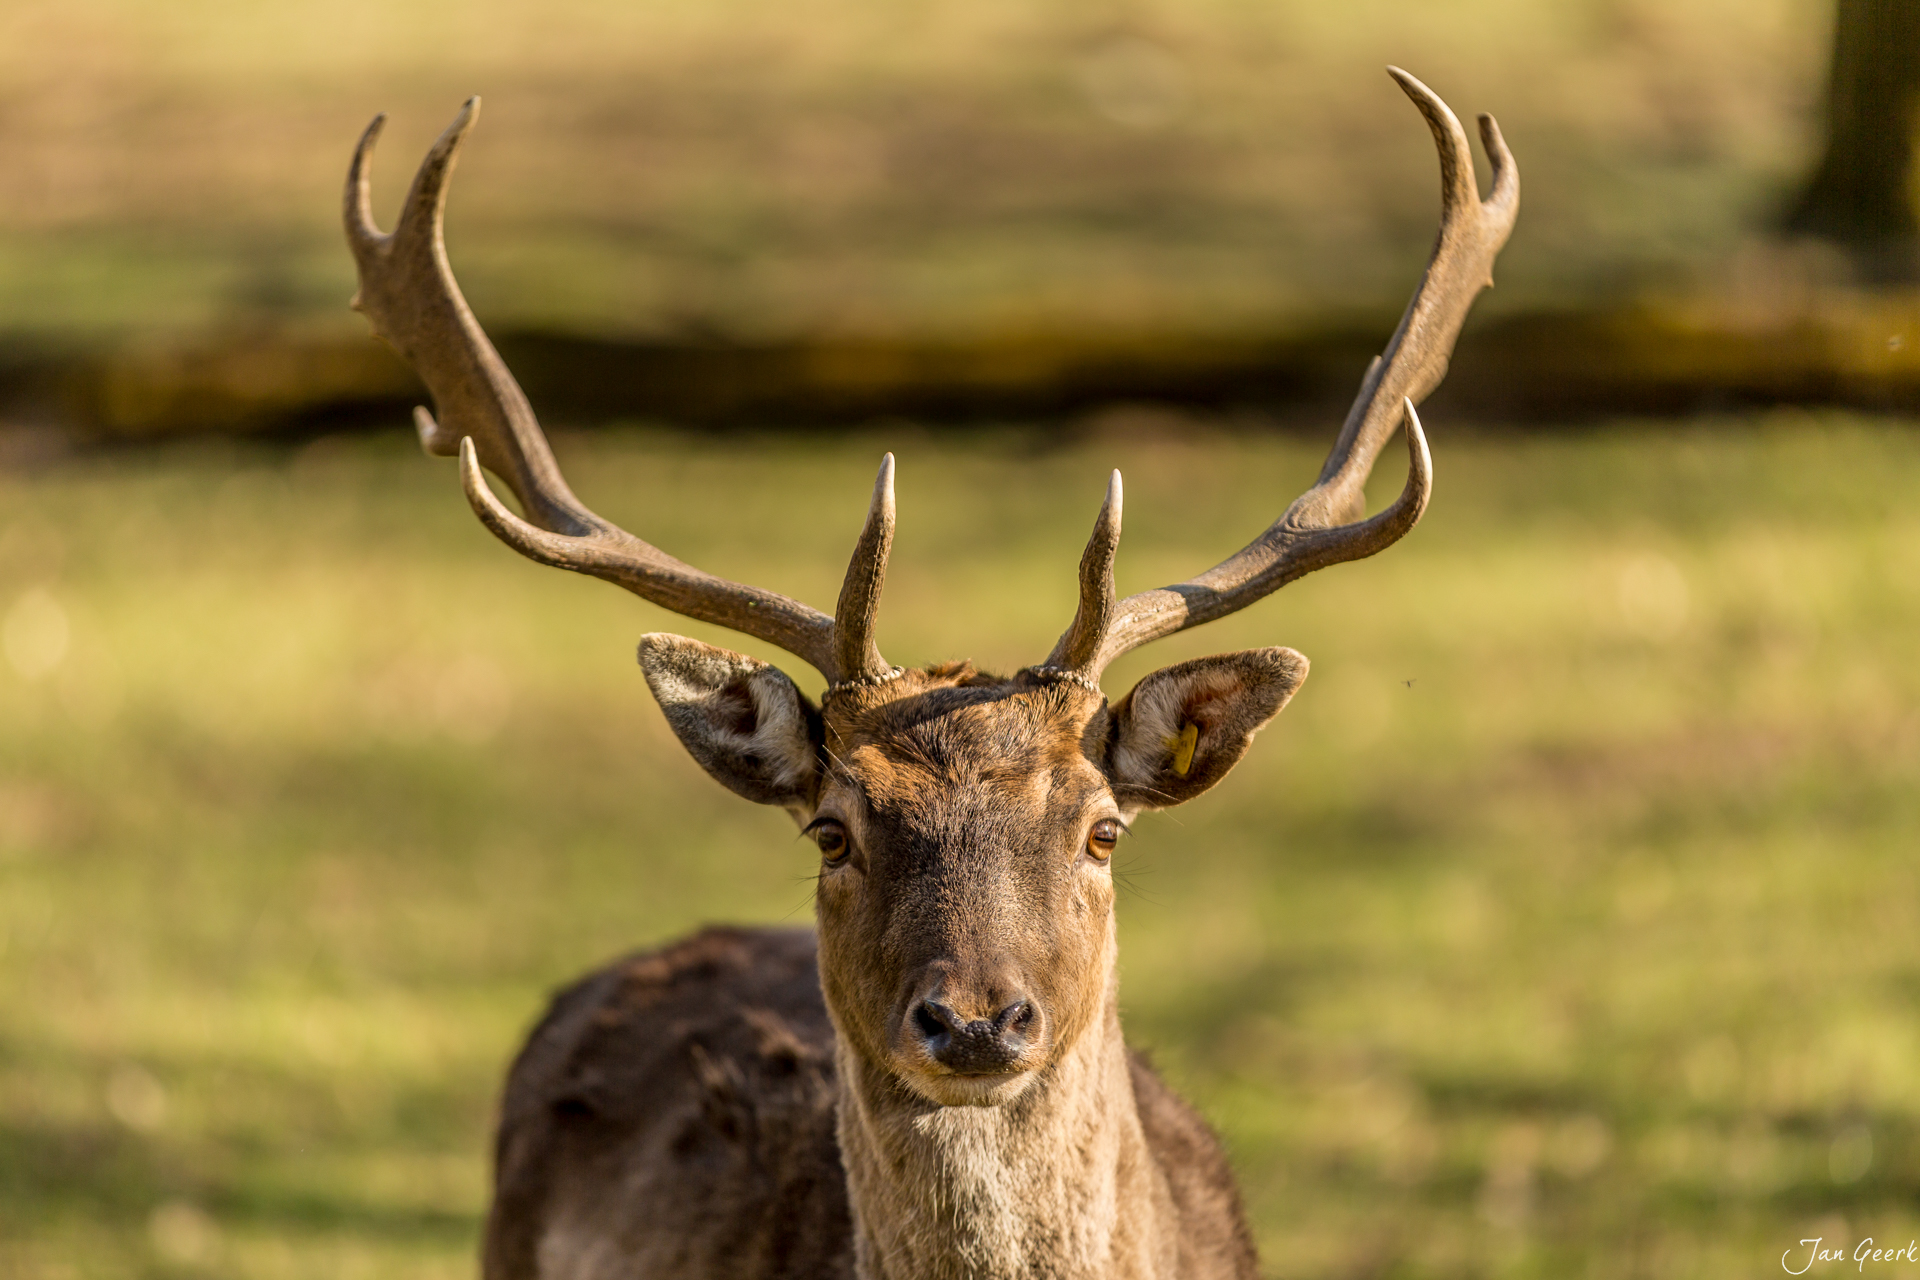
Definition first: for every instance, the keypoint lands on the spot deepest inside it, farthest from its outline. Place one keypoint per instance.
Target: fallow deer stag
(936, 1084)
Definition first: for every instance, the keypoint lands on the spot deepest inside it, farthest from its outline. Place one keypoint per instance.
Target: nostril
(928, 1023)
(1016, 1021)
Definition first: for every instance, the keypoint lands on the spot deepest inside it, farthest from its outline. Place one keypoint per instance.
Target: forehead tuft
(952, 725)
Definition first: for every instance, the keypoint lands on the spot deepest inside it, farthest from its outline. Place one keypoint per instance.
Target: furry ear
(1182, 728)
(742, 719)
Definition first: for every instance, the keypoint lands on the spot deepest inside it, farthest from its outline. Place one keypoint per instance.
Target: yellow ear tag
(1182, 748)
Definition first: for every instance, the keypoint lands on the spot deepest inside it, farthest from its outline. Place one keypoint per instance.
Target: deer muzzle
(957, 1030)
(978, 1046)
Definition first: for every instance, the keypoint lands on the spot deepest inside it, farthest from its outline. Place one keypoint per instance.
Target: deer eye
(832, 839)
(1101, 840)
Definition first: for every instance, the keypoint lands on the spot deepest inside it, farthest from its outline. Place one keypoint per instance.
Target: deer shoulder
(672, 1115)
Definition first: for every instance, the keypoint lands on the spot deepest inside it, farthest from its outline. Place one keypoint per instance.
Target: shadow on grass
(109, 1178)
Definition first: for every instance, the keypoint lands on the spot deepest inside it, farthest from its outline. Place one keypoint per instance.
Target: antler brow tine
(855, 653)
(1322, 526)
(409, 295)
(1081, 643)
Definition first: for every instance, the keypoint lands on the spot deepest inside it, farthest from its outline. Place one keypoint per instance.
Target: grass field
(1563, 927)
(765, 170)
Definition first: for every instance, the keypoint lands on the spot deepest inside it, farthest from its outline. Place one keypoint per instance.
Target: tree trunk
(1861, 196)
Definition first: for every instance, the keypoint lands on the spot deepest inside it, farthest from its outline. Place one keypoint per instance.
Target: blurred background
(1563, 926)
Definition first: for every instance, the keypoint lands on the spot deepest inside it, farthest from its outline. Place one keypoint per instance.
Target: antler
(1322, 527)
(407, 291)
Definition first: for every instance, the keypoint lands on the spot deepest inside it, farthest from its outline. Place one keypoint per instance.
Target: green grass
(771, 170)
(1563, 926)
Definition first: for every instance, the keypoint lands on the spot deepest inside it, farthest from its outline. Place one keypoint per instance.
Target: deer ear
(741, 718)
(1182, 728)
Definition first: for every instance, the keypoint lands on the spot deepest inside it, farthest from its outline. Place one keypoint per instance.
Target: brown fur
(679, 1106)
(672, 1115)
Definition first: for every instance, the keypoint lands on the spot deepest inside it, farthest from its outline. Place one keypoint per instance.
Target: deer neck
(1034, 1187)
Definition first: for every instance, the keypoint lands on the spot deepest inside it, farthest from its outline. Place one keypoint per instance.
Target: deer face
(966, 826)
(965, 899)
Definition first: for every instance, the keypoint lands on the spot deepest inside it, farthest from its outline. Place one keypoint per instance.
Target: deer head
(965, 821)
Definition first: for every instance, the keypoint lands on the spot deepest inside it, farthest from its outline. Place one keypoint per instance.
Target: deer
(933, 1082)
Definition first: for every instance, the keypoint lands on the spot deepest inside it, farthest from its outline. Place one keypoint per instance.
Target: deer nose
(982, 1046)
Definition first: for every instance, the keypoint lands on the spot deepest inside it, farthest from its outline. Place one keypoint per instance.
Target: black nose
(981, 1046)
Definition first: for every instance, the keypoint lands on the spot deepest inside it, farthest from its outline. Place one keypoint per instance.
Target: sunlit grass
(1562, 926)
(770, 170)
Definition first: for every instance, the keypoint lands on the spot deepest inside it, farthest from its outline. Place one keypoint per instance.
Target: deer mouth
(970, 1088)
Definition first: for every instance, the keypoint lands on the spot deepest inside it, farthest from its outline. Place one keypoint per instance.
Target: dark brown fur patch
(679, 1104)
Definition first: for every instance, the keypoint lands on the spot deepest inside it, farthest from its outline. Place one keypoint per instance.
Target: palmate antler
(407, 291)
(1321, 527)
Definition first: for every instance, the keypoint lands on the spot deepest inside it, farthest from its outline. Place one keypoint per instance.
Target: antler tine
(1471, 235)
(855, 652)
(1080, 645)
(363, 235)
(408, 293)
(1322, 526)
